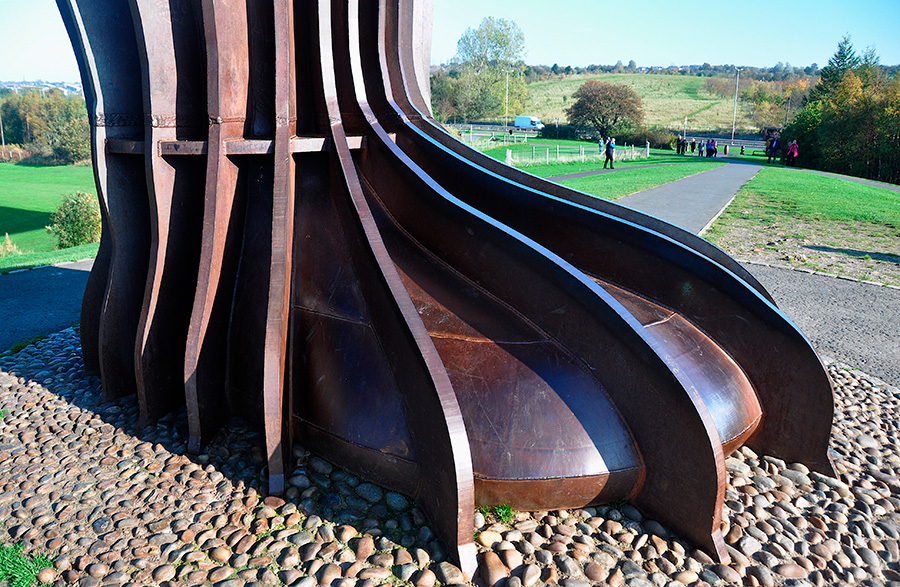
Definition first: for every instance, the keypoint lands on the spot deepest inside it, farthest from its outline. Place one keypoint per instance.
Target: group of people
(711, 147)
(773, 145)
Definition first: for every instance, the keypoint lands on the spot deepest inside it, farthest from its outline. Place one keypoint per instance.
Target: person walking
(610, 154)
(773, 151)
(793, 152)
(693, 145)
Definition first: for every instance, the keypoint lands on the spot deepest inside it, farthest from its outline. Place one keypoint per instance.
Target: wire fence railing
(545, 154)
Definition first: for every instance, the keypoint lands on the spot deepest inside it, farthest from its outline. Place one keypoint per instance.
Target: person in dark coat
(610, 153)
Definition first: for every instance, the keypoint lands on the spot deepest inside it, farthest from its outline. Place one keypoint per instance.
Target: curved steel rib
(432, 412)
(104, 42)
(174, 220)
(225, 32)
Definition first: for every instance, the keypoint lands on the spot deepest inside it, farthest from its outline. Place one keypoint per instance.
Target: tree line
(51, 127)
(850, 123)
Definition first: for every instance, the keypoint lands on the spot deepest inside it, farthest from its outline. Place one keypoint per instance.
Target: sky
(668, 32)
(568, 32)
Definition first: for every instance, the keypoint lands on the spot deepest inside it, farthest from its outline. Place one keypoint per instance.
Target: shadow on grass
(16, 220)
(887, 257)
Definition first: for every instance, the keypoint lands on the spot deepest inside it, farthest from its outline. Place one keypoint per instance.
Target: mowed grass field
(667, 100)
(28, 195)
(815, 222)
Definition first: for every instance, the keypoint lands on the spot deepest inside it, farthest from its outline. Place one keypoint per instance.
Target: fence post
(548, 155)
(509, 157)
(648, 149)
(557, 152)
(532, 153)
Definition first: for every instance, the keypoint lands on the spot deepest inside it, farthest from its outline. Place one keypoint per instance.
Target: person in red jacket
(793, 152)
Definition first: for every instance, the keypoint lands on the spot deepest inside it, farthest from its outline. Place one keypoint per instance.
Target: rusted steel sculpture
(288, 235)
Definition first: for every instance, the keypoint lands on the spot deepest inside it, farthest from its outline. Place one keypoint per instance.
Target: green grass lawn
(809, 221)
(28, 195)
(667, 100)
(793, 193)
(611, 186)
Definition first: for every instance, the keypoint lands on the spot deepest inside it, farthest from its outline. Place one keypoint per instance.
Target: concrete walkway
(41, 301)
(693, 202)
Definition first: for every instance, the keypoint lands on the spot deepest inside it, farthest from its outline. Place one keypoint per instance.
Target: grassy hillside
(667, 100)
(29, 194)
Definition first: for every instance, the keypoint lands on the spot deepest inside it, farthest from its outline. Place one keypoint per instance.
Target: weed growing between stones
(503, 513)
(18, 569)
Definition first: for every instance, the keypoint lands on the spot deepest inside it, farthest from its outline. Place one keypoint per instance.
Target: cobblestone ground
(113, 503)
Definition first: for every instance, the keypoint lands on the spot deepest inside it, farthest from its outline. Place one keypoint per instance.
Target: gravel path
(115, 504)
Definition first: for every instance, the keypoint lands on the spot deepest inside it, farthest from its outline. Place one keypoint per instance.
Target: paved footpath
(693, 202)
(41, 301)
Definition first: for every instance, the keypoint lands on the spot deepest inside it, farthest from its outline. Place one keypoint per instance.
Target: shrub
(76, 221)
(659, 139)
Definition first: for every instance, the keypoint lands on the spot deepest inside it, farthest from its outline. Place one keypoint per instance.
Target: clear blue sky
(670, 32)
(569, 32)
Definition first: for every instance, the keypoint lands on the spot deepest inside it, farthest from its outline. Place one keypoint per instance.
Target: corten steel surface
(289, 236)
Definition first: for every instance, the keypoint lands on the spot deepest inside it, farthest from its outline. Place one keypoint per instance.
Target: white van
(531, 122)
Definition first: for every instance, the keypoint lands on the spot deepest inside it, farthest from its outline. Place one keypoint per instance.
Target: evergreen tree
(844, 59)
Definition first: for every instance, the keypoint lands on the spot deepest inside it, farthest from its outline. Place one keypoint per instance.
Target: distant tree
(605, 107)
(442, 95)
(495, 42)
(490, 62)
(555, 69)
(49, 123)
(632, 66)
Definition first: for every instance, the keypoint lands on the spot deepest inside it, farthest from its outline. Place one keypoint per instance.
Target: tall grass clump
(76, 221)
(7, 247)
(19, 570)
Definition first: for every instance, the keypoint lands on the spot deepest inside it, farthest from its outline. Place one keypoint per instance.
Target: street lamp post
(506, 117)
(734, 117)
(788, 111)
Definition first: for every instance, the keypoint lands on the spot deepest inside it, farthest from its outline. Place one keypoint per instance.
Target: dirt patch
(858, 250)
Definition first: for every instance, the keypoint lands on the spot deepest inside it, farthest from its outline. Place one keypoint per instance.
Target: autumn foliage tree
(605, 107)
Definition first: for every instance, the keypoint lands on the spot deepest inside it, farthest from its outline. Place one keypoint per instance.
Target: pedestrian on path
(610, 153)
(793, 152)
(772, 154)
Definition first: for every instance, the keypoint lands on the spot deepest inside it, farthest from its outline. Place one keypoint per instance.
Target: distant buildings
(69, 88)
